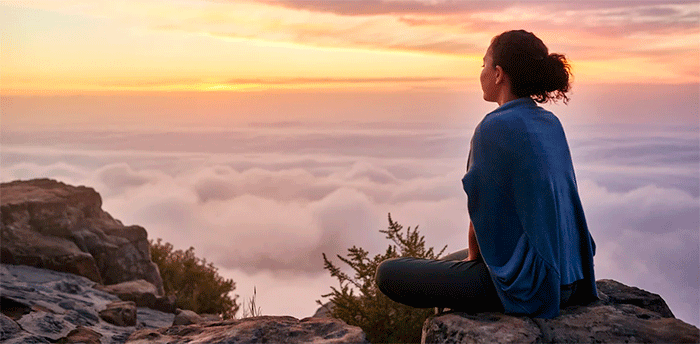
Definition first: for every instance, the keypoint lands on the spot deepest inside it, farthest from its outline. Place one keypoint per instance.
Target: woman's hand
(474, 252)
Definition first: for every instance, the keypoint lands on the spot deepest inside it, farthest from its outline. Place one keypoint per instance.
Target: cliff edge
(48, 224)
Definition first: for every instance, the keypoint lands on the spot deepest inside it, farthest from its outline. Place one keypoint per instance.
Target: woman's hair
(533, 71)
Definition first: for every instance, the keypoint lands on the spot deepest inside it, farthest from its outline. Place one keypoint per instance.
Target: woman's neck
(505, 96)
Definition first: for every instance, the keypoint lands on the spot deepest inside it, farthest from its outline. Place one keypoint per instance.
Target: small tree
(196, 284)
(359, 302)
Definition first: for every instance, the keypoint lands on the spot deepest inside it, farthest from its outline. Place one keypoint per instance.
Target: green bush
(196, 284)
(359, 302)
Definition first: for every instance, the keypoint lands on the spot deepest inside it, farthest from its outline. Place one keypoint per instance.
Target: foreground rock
(120, 313)
(131, 290)
(51, 225)
(83, 335)
(45, 306)
(186, 317)
(623, 315)
(265, 329)
(42, 306)
(143, 293)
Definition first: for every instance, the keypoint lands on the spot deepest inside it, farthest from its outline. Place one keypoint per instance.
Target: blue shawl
(527, 214)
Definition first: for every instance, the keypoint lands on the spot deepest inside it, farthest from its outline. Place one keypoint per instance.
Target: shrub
(359, 302)
(196, 284)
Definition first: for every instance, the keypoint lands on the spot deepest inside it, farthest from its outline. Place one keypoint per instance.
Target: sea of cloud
(264, 203)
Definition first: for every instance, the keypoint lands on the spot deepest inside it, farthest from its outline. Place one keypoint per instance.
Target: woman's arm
(473, 244)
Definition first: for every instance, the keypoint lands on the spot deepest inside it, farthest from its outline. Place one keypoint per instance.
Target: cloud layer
(280, 197)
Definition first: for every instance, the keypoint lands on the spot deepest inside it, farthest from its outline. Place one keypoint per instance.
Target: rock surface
(51, 225)
(8, 327)
(623, 315)
(617, 293)
(265, 329)
(43, 306)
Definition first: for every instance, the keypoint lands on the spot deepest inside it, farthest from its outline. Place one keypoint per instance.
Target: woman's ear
(500, 75)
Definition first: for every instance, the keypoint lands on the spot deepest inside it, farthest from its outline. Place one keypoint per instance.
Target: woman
(530, 252)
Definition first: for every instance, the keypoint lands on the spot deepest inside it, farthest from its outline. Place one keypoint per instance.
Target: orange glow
(194, 45)
(629, 70)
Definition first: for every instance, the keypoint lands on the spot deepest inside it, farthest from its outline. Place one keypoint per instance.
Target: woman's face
(488, 78)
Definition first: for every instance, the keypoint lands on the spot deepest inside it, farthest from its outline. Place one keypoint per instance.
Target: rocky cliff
(51, 225)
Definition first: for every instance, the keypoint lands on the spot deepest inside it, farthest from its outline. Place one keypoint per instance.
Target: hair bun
(533, 71)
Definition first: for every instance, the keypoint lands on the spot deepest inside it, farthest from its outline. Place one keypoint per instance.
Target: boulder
(163, 304)
(120, 313)
(618, 293)
(150, 318)
(51, 225)
(186, 317)
(615, 324)
(82, 335)
(325, 310)
(143, 293)
(623, 315)
(264, 329)
(130, 290)
(25, 247)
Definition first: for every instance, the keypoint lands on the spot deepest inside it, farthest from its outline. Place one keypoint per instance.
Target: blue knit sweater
(526, 210)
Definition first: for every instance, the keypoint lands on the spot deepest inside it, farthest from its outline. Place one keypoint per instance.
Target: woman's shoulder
(502, 120)
(499, 131)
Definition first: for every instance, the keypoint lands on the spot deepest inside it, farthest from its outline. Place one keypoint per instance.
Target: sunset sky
(77, 47)
(193, 117)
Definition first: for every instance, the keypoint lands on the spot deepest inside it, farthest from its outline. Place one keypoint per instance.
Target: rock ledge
(623, 315)
(264, 329)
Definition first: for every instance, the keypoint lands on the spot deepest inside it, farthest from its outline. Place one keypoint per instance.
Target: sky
(265, 133)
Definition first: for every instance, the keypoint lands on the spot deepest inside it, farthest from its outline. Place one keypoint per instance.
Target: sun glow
(191, 45)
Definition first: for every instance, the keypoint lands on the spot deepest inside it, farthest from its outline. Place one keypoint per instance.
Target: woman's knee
(384, 272)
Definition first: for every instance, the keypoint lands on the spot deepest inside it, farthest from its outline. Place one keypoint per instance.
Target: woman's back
(525, 207)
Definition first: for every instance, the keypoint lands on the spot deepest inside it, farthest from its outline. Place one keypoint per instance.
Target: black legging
(446, 283)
